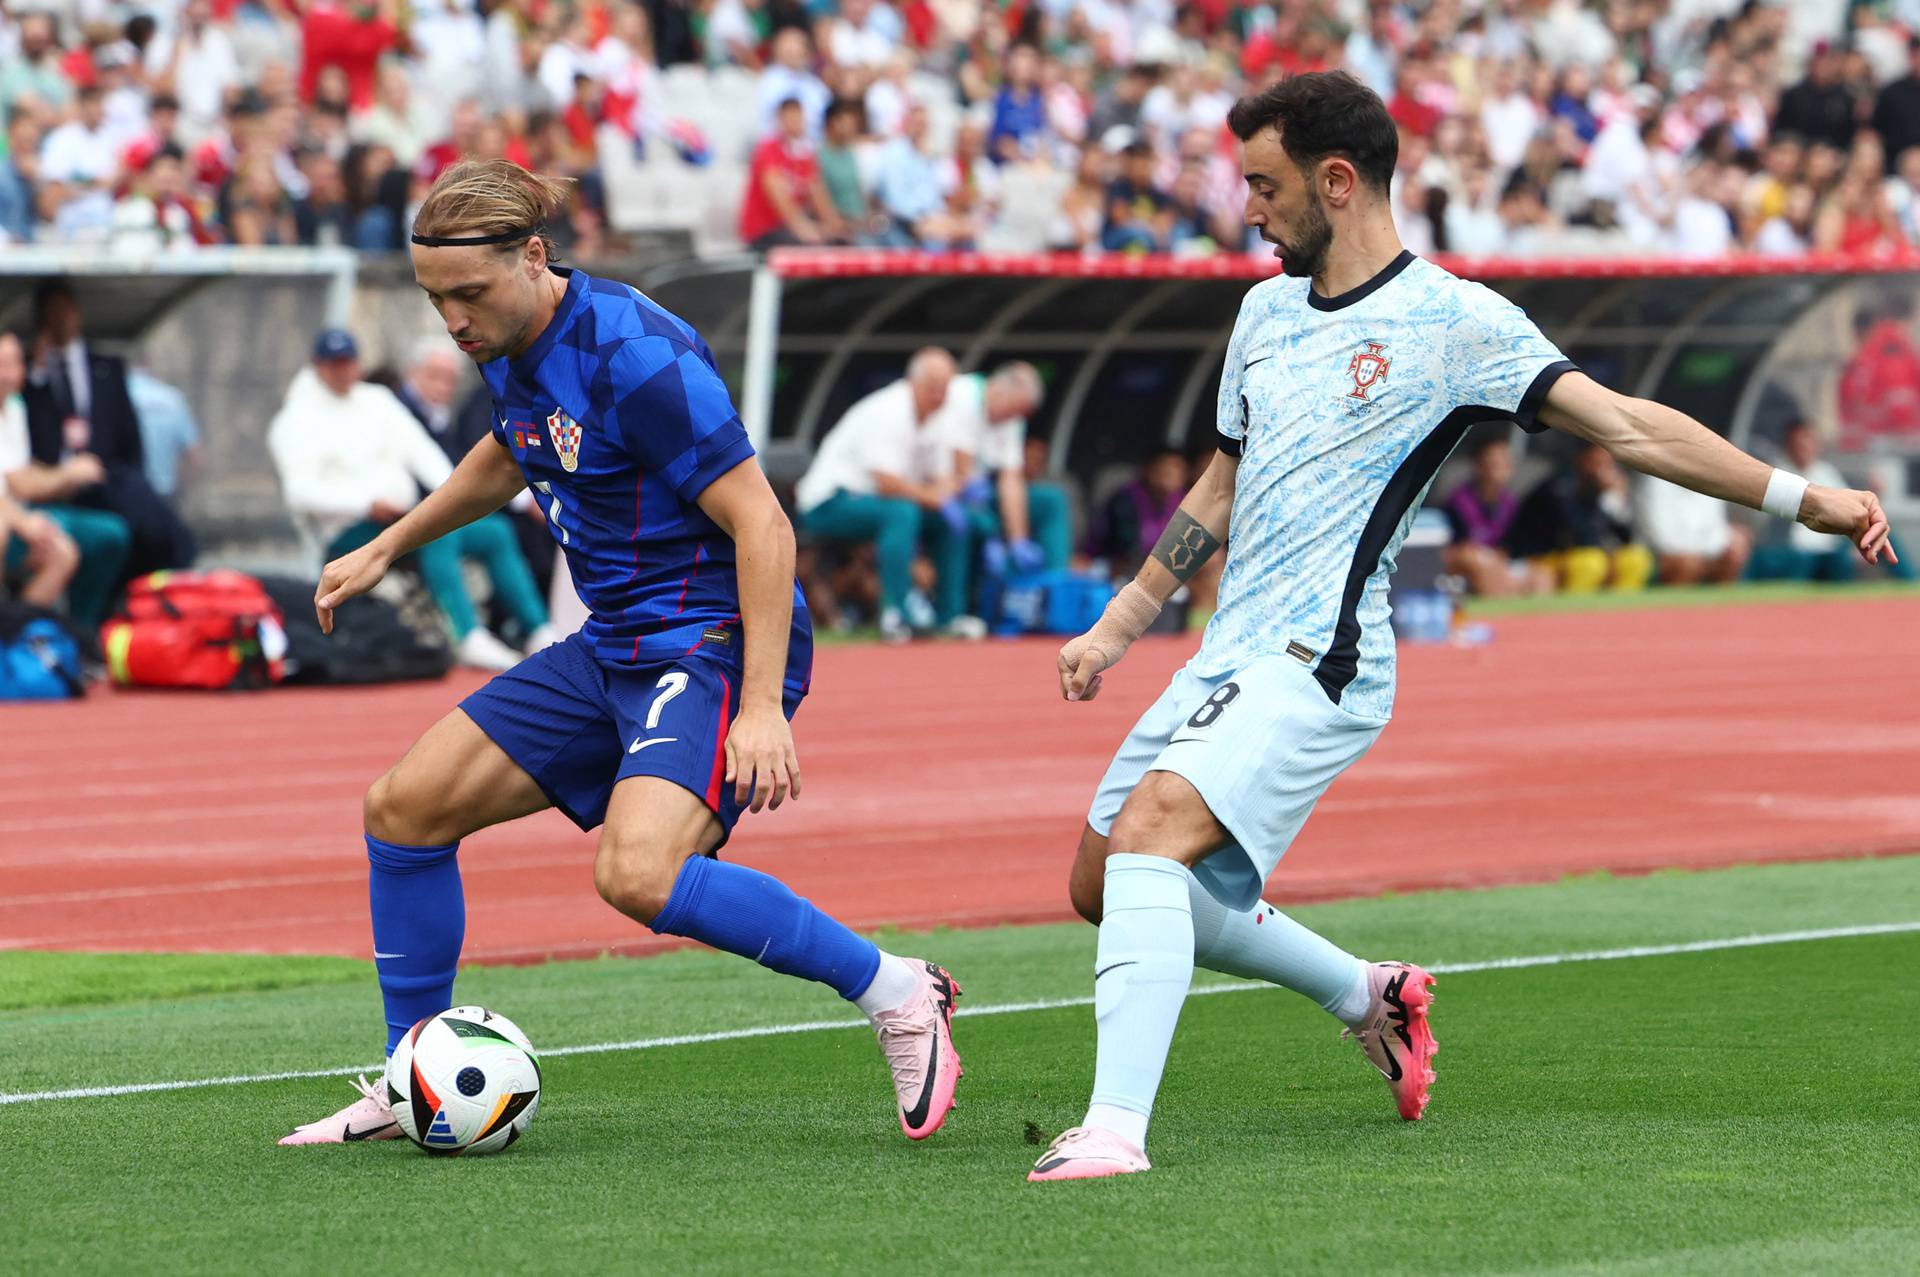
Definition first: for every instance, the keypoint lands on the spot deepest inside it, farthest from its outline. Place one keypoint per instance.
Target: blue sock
(746, 912)
(419, 920)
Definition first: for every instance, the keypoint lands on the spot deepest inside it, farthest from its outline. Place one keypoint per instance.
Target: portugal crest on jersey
(1367, 367)
(565, 433)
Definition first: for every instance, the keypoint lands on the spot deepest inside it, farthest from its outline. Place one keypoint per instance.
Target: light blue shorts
(1260, 745)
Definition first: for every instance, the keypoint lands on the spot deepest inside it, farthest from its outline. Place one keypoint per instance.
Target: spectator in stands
(352, 459)
(1896, 113)
(884, 474)
(1118, 106)
(79, 165)
(78, 406)
(970, 181)
(169, 435)
(19, 179)
(790, 78)
(1019, 113)
(195, 61)
(351, 38)
(155, 216)
(1879, 391)
(1473, 221)
(840, 171)
(861, 35)
(1823, 107)
(1790, 233)
(99, 538)
(323, 215)
(1693, 540)
(259, 212)
(1903, 195)
(1140, 217)
(1857, 216)
(1480, 513)
(1765, 196)
(1578, 526)
(787, 202)
(1076, 225)
(909, 191)
(34, 73)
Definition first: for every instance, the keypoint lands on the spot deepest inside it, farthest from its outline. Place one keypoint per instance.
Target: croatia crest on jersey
(565, 433)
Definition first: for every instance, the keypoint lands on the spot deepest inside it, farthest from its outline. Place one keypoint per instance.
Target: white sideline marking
(1000, 1008)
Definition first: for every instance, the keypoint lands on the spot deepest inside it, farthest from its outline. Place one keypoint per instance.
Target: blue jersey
(619, 420)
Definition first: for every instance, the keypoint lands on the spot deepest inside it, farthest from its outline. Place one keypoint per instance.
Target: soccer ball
(464, 1081)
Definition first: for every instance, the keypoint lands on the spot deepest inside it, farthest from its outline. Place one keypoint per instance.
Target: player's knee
(1087, 880)
(395, 810)
(1087, 890)
(635, 874)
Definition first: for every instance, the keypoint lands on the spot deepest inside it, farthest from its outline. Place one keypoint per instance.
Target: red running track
(947, 785)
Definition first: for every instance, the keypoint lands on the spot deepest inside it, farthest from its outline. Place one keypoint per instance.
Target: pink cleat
(1396, 1036)
(368, 1118)
(1087, 1152)
(917, 1040)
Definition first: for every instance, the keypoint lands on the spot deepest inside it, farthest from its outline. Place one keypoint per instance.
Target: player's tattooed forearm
(1185, 546)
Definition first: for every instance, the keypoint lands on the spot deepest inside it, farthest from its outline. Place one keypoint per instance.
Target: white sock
(1127, 1124)
(1143, 966)
(1264, 944)
(892, 985)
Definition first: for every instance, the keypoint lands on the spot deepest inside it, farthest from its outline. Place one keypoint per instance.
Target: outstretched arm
(486, 479)
(1667, 444)
(761, 760)
(1197, 529)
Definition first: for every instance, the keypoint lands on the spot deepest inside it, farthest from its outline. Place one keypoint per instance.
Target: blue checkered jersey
(619, 420)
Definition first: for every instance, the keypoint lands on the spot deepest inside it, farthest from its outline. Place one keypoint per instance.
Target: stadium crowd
(1528, 126)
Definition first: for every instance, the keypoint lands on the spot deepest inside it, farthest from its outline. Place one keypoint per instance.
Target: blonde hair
(492, 197)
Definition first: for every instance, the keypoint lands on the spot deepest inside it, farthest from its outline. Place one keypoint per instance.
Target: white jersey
(1342, 410)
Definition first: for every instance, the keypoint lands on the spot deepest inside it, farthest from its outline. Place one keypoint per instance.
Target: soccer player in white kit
(1347, 383)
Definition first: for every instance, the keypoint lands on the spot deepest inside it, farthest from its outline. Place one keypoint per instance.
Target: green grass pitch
(1739, 1110)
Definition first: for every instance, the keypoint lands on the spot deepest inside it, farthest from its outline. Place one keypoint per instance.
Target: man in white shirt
(790, 75)
(198, 64)
(985, 420)
(886, 473)
(858, 37)
(352, 459)
(1693, 540)
(80, 162)
(1510, 119)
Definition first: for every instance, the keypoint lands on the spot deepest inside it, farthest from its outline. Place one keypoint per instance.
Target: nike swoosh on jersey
(378, 954)
(639, 745)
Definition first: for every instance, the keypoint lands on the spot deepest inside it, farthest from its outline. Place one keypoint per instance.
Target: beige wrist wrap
(1126, 619)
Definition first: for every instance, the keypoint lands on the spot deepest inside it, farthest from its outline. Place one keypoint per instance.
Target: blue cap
(335, 343)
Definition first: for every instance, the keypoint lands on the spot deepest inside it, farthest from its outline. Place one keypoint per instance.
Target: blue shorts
(579, 725)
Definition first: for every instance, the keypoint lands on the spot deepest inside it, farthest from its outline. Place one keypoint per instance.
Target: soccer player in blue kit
(668, 713)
